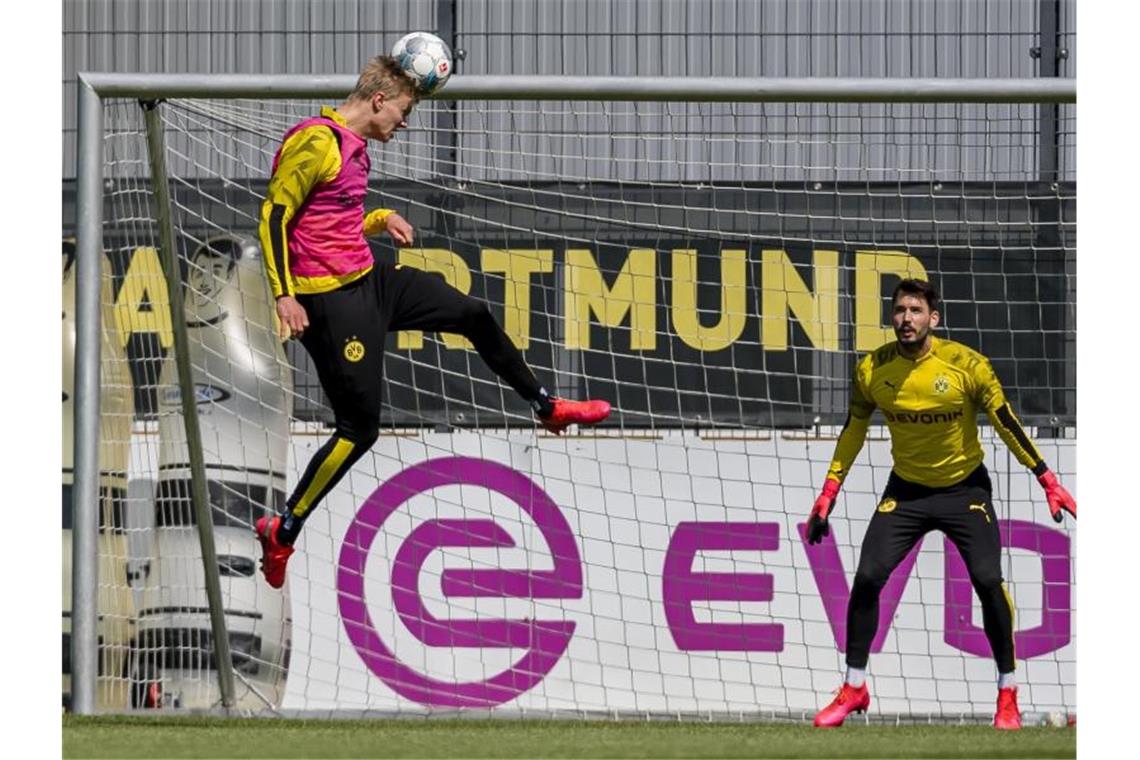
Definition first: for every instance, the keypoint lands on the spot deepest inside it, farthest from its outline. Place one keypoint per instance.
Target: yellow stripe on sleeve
(1009, 428)
(376, 221)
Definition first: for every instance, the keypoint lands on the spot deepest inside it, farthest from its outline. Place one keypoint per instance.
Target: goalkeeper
(341, 304)
(930, 391)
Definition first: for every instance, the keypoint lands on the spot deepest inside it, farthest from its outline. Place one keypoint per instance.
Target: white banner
(659, 574)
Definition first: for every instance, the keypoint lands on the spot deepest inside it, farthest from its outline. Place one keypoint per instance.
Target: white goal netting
(713, 270)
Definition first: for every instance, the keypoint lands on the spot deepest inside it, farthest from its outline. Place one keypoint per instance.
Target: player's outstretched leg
(422, 301)
(501, 355)
(849, 700)
(975, 532)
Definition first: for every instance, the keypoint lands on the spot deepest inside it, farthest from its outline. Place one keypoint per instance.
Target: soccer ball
(426, 58)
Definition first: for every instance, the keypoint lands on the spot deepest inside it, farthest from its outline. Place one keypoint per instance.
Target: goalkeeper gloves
(1058, 498)
(817, 526)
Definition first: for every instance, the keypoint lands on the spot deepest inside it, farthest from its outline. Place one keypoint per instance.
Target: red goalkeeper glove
(817, 526)
(1058, 498)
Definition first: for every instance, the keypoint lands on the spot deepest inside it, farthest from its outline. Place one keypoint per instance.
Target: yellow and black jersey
(930, 406)
(309, 157)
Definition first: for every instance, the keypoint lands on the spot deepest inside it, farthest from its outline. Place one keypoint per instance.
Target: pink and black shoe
(848, 700)
(567, 413)
(274, 554)
(1008, 715)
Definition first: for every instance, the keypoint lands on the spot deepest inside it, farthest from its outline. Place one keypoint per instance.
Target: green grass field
(130, 737)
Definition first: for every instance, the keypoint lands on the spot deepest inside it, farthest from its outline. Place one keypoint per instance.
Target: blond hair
(383, 74)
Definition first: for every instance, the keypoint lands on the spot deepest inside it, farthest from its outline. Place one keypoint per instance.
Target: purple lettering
(834, 591)
(1055, 630)
(565, 581)
(681, 587)
(544, 645)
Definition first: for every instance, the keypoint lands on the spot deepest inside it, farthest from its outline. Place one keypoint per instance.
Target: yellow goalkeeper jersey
(930, 406)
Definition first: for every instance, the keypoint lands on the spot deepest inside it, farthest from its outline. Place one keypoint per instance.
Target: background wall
(940, 168)
(770, 38)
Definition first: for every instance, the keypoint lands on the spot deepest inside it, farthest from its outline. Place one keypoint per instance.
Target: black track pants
(965, 513)
(347, 330)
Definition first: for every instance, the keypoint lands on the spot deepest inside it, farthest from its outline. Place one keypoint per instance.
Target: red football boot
(274, 555)
(566, 413)
(1008, 716)
(848, 700)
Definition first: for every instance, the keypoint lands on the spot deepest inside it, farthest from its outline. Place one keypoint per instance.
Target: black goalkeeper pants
(907, 512)
(345, 338)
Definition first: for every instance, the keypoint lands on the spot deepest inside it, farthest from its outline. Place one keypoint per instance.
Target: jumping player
(341, 304)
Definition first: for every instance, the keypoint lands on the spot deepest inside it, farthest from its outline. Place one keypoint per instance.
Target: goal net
(713, 270)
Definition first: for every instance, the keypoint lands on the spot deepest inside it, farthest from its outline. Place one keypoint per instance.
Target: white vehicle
(172, 663)
(243, 391)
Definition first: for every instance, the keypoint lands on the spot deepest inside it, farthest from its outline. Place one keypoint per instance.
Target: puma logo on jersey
(980, 508)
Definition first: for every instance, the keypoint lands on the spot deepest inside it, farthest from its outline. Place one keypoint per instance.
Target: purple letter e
(681, 586)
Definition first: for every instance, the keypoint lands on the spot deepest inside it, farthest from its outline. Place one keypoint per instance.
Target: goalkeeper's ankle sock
(543, 405)
(1007, 680)
(856, 676)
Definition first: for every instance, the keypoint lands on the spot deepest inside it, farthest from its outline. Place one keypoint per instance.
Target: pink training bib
(326, 235)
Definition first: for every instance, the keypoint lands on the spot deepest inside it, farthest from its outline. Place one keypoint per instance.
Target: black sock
(289, 527)
(543, 405)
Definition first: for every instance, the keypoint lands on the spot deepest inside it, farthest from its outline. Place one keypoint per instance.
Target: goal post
(707, 253)
(156, 153)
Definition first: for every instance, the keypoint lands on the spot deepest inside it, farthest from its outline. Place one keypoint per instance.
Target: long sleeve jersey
(930, 406)
(312, 221)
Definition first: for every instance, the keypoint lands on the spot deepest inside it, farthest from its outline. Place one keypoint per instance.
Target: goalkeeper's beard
(916, 339)
(913, 344)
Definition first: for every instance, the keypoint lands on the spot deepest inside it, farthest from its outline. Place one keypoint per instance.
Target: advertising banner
(664, 575)
(732, 305)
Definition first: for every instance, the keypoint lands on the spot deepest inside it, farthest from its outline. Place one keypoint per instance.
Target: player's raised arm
(386, 220)
(1003, 419)
(848, 446)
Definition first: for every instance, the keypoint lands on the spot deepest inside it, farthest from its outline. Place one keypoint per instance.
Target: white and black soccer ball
(426, 58)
